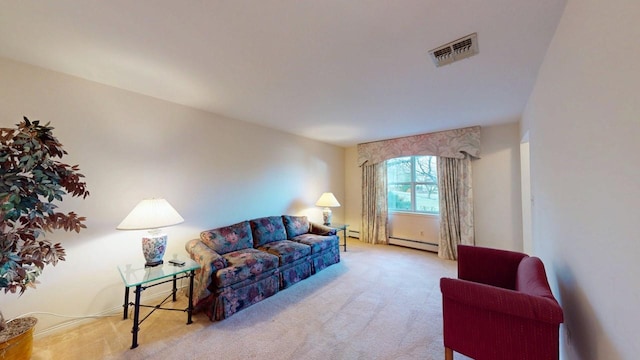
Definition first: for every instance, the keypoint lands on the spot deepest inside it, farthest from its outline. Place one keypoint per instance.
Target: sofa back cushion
(531, 278)
(267, 229)
(295, 225)
(228, 238)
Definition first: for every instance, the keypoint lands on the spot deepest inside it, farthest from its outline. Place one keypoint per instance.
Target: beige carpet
(379, 302)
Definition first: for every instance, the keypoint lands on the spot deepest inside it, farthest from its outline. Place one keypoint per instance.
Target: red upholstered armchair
(500, 307)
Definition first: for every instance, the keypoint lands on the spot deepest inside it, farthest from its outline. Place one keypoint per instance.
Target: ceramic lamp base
(326, 216)
(153, 247)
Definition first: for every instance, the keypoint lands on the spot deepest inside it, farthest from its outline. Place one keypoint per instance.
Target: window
(412, 184)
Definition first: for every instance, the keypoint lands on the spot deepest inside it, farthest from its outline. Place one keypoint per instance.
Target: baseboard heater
(422, 245)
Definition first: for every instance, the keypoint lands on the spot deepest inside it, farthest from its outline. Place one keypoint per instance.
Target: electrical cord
(63, 316)
(181, 288)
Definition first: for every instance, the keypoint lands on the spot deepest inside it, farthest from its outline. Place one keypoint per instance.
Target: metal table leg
(344, 233)
(175, 288)
(190, 306)
(136, 317)
(126, 303)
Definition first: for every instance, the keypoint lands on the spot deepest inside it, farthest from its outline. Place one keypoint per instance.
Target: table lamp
(327, 200)
(152, 214)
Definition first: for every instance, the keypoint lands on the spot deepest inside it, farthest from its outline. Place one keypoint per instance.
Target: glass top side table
(342, 227)
(142, 278)
(138, 274)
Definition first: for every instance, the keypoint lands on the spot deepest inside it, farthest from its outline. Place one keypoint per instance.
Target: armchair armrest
(488, 266)
(498, 300)
(319, 229)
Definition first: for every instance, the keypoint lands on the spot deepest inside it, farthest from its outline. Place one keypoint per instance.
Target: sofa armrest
(318, 229)
(489, 298)
(488, 266)
(204, 255)
(210, 262)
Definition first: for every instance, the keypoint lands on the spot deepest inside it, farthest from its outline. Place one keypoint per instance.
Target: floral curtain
(374, 204)
(456, 205)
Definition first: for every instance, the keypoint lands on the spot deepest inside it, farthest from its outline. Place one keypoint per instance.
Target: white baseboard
(414, 244)
(421, 245)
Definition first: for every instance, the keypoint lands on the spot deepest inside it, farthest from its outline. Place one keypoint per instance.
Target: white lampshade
(151, 214)
(327, 200)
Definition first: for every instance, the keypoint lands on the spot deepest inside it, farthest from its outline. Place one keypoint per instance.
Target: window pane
(410, 174)
(426, 169)
(399, 197)
(427, 198)
(399, 170)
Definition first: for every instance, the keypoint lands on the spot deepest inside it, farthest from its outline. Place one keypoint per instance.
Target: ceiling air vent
(455, 50)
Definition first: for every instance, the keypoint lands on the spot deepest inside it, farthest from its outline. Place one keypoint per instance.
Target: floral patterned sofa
(244, 263)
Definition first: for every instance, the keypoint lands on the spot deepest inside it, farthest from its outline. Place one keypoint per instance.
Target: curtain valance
(450, 144)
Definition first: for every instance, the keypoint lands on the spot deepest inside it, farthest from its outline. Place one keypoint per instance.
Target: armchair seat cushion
(245, 264)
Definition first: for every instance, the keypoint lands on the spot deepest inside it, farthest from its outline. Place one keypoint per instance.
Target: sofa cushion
(286, 250)
(295, 225)
(244, 264)
(228, 238)
(267, 229)
(531, 278)
(318, 243)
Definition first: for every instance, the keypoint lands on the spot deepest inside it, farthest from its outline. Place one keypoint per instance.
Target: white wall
(413, 226)
(583, 119)
(213, 170)
(496, 190)
(497, 202)
(525, 190)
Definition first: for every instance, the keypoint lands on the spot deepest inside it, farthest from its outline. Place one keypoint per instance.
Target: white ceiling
(339, 71)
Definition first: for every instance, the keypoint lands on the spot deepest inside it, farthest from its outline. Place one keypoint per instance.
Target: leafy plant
(31, 180)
